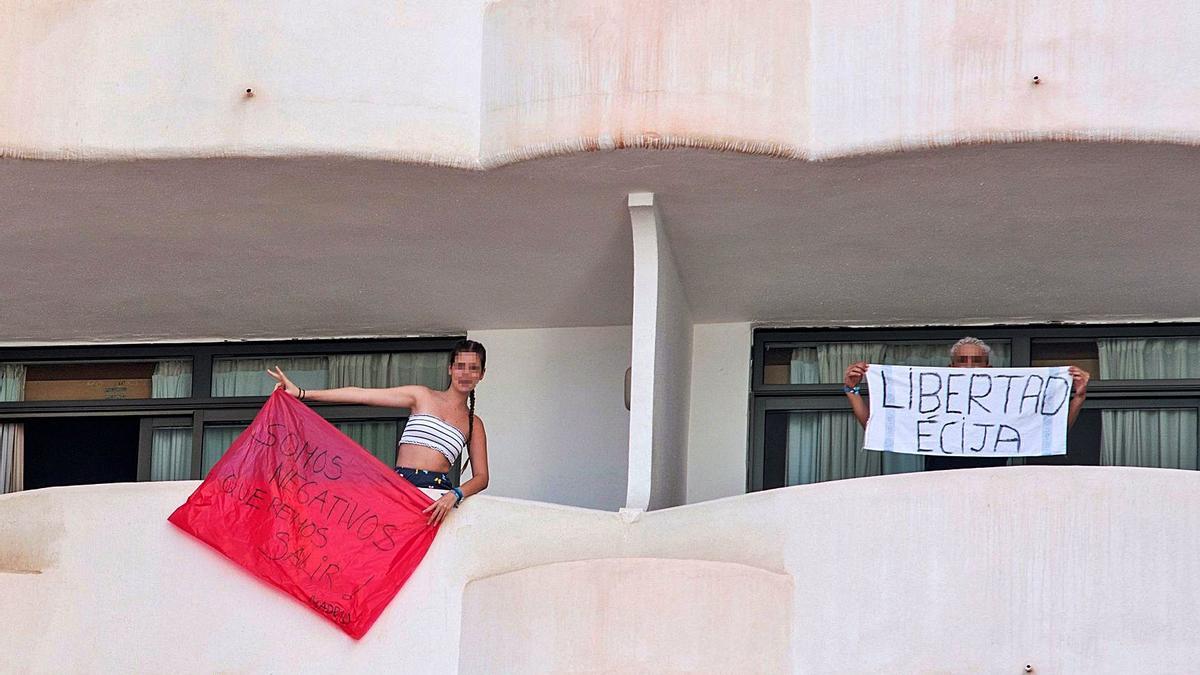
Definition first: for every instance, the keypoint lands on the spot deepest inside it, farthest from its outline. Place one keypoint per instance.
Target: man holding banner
(961, 420)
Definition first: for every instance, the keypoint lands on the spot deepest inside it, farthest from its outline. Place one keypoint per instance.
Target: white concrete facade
(566, 617)
(1073, 569)
(354, 156)
(553, 400)
(481, 82)
(437, 158)
(719, 421)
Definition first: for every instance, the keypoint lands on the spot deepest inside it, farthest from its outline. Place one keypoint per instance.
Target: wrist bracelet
(301, 394)
(458, 496)
(851, 390)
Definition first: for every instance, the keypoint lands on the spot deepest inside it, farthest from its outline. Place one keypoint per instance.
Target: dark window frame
(1102, 394)
(201, 408)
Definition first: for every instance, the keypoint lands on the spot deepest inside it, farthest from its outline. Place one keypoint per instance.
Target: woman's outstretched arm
(393, 397)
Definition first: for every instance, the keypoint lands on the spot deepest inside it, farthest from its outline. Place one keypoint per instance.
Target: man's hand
(855, 373)
(1079, 380)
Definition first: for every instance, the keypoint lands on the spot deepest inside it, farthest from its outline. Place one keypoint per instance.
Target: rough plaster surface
(386, 240)
(477, 83)
(719, 421)
(553, 398)
(1070, 569)
(275, 248)
(613, 615)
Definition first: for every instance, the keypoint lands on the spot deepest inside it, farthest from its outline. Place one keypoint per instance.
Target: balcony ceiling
(265, 248)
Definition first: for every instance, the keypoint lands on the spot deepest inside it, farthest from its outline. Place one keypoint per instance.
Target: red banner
(309, 511)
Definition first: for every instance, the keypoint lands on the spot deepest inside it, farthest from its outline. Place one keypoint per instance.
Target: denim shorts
(434, 480)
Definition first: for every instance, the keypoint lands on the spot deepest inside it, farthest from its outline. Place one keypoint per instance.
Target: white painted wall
(168, 78)
(662, 346)
(593, 616)
(1069, 569)
(718, 427)
(672, 382)
(553, 400)
(478, 83)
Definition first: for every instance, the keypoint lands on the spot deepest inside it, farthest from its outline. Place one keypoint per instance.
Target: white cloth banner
(971, 412)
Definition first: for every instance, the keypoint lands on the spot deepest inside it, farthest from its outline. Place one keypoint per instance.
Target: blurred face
(969, 356)
(465, 372)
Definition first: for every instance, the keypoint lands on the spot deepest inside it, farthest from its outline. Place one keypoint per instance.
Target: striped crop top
(434, 432)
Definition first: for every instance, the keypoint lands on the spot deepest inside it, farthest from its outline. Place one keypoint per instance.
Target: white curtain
(828, 445)
(1164, 439)
(217, 440)
(825, 363)
(1149, 438)
(12, 458)
(12, 435)
(171, 379)
(171, 447)
(384, 370)
(389, 370)
(248, 377)
(1149, 358)
(171, 453)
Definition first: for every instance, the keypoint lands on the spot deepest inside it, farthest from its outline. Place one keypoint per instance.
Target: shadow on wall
(617, 614)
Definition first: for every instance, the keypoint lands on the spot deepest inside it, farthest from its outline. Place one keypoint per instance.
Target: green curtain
(378, 438)
(12, 435)
(1149, 358)
(248, 377)
(171, 453)
(171, 379)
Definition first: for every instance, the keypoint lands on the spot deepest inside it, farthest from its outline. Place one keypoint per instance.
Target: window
(1142, 409)
(248, 376)
(378, 437)
(825, 362)
(168, 412)
(96, 380)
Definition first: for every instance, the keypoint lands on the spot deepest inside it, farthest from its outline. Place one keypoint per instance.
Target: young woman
(441, 426)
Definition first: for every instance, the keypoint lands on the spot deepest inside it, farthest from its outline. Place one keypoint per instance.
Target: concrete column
(661, 377)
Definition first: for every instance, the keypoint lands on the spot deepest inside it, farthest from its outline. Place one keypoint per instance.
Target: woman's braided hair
(469, 347)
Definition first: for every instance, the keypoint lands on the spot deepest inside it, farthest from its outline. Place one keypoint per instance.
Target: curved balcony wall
(1066, 569)
(474, 83)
